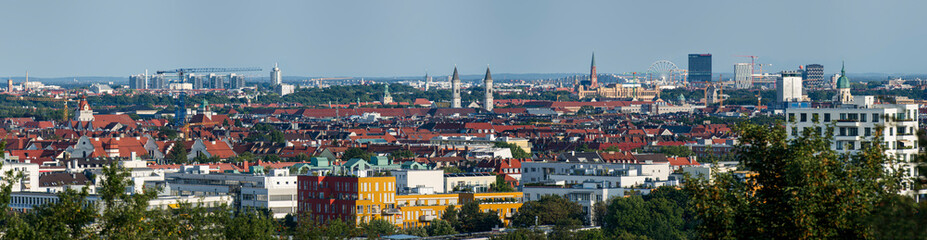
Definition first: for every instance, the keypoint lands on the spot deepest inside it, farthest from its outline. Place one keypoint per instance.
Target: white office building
(789, 87)
(856, 123)
(743, 75)
(275, 77)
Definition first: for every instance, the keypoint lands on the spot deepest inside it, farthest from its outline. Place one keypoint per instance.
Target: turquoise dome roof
(843, 81)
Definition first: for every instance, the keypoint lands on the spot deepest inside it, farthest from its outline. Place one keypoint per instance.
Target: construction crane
(180, 111)
(181, 71)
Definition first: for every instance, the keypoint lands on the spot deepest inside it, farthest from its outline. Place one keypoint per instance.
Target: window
(853, 131)
(862, 117)
(791, 117)
(853, 116)
(843, 116)
(815, 117)
(867, 132)
(794, 131)
(804, 117)
(827, 117)
(875, 117)
(843, 131)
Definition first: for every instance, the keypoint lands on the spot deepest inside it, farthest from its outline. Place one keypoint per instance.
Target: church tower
(455, 88)
(843, 87)
(593, 75)
(487, 86)
(84, 113)
(387, 99)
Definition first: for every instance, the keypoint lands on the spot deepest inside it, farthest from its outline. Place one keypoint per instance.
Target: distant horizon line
(423, 75)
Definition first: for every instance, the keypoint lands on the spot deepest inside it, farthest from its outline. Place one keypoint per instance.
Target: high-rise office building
(455, 90)
(197, 81)
(788, 87)
(743, 75)
(216, 81)
(138, 81)
(275, 77)
(700, 67)
(159, 82)
(487, 88)
(813, 75)
(236, 82)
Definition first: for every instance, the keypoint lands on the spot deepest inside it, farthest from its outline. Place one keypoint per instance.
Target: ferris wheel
(663, 70)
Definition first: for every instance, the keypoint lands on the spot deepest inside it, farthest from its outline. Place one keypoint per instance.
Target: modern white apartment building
(856, 123)
(275, 191)
(612, 175)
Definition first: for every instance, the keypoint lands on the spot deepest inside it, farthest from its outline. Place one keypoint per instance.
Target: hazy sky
(404, 38)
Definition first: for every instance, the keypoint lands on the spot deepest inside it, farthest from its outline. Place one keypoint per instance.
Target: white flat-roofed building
(612, 175)
(473, 182)
(30, 175)
(855, 125)
(419, 181)
(477, 142)
(275, 191)
(26, 201)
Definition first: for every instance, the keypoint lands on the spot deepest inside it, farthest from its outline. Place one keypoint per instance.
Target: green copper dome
(843, 81)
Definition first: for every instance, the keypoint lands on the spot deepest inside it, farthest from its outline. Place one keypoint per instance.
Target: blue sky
(404, 38)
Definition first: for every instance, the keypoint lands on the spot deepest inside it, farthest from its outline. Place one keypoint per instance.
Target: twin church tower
(455, 90)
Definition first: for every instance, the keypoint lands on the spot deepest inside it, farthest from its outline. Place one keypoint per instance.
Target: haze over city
(467, 120)
(384, 38)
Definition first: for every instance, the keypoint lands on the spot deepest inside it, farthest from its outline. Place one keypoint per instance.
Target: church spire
(593, 59)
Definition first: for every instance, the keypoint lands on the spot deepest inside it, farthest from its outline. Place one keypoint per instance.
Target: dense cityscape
(699, 149)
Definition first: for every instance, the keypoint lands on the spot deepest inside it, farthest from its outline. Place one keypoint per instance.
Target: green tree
(452, 169)
(402, 154)
(123, 212)
(517, 152)
(471, 219)
(250, 224)
(378, 228)
(656, 218)
(68, 218)
(798, 189)
(522, 234)
(416, 231)
(450, 215)
(501, 185)
(178, 154)
(440, 227)
(549, 210)
(352, 153)
(681, 151)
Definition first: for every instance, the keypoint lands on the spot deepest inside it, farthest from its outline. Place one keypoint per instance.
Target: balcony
(427, 218)
(392, 211)
(847, 123)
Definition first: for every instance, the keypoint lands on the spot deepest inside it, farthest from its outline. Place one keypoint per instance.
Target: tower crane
(180, 113)
(181, 71)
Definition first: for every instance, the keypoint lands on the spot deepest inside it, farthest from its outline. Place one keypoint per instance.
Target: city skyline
(378, 39)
